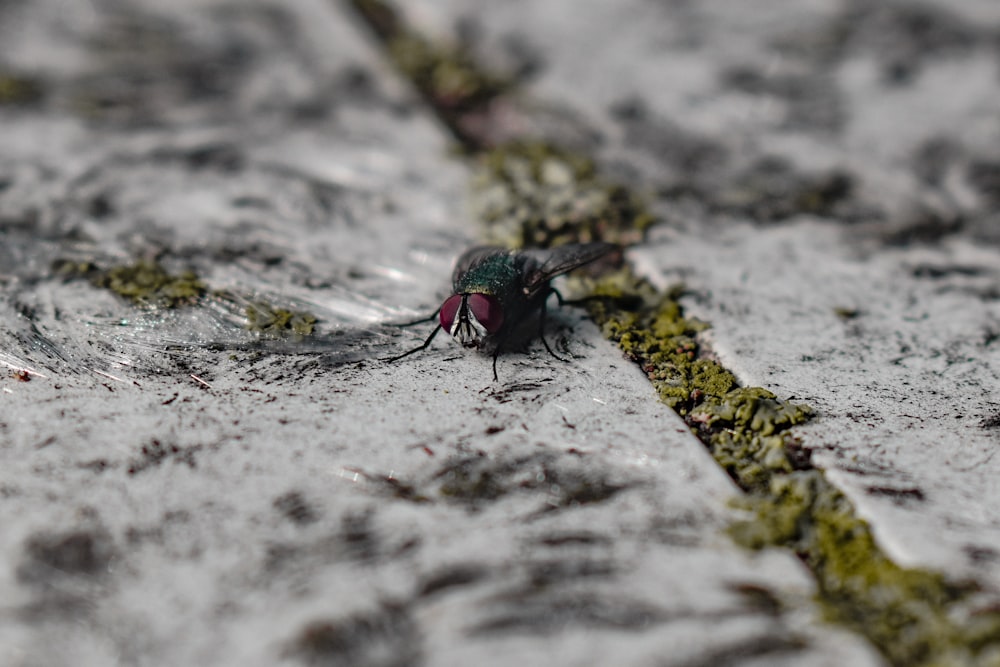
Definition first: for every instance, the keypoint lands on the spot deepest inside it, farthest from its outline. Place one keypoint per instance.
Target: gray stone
(827, 175)
(179, 490)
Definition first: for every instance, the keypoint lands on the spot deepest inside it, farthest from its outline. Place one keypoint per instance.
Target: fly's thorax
(497, 275)
(472, 317)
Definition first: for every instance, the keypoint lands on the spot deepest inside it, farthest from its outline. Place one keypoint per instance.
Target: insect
(495, 289)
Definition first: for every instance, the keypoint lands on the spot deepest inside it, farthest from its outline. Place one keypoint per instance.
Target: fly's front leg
(432, 317)
(422, 347)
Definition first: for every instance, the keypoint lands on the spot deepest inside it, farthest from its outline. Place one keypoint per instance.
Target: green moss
(915, 617)
(536, 195)
(532, 194)
(846, 313)
(149, 284)
(654, 333)
(70, 269)
(264, 318)
(446, 75)
(16, 90)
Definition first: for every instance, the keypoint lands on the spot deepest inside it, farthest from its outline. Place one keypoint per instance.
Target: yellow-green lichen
(845, 313)
(147, 283)
(654, 333)
(70, 269)
(265, 318)
(914, 616)
(536, 195)
(16, 90)
(531, 194)
(446, 75)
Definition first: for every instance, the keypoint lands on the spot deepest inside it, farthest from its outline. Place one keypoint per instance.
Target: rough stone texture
(828, 177)
(178, 490)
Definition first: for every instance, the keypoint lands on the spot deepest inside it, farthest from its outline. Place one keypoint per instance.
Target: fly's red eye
(487, 310)
(448, 310)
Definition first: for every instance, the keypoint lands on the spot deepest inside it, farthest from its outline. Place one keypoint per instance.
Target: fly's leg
(424, 347)
(541, 323)
(496, 353)
(627, 302)
(432, 317)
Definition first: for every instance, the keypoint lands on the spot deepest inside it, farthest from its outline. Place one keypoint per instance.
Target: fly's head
(471, 317)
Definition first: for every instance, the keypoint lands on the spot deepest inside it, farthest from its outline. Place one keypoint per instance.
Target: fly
(495, 289)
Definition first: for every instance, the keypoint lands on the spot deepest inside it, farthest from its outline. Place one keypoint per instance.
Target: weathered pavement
(177, 489)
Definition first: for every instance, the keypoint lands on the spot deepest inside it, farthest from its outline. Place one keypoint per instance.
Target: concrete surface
(178, 490)
(880, 307)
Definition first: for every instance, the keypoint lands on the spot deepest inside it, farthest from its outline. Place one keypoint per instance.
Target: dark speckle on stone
(679, 148)
(759, 598)
(541, 613)
(981, 554)
(478, 480)
(223, 157)
(295, 508)
(993, 421)
(899, 496)
(923, 227)
(358, 536)
(73, 553)
(156, 452)
(811, 100)
(386, 637)
(451, 577)
(573, 539)
(101, 206)
(932, 159)
(984, 175)
(944, 270)
(550, 572)
(97, 465)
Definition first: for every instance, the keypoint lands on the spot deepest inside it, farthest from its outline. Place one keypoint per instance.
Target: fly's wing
(472, 257)
(544, 265)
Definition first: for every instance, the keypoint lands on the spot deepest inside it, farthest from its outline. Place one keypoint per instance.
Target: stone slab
(177, 490)
(876, 300)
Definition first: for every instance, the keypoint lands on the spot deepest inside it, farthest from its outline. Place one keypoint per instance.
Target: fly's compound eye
(487, 310)
(448, 311)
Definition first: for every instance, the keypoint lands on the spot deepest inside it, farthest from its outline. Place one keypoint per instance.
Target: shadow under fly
(495, 289)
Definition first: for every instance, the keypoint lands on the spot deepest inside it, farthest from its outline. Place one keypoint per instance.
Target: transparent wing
(547, 264)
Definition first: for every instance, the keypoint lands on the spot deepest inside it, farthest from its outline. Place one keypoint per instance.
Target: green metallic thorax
(496, 275)
(502, 276)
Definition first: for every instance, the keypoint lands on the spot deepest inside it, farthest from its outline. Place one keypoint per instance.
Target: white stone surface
(905, 388)
(175, 491)
(909, 389)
